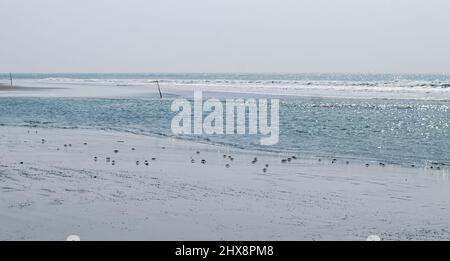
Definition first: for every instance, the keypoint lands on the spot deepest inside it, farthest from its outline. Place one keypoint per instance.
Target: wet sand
(4, 87)
(111, 89)
(104, 185)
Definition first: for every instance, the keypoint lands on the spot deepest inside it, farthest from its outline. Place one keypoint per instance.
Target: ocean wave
(239, 79)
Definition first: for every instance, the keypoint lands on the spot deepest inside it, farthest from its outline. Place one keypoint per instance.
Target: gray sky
(225, 36)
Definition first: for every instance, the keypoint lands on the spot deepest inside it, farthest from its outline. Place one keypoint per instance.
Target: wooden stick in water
(159, 89)
(10, 78)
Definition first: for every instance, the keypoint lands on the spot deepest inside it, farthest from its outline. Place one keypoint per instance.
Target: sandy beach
(104, 185)
(243, 123)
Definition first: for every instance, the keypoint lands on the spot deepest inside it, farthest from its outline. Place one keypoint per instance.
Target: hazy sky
(225, 36)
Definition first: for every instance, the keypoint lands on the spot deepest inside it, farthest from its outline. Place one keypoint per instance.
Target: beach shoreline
(58, 182)
(144, 87)
(14, 88)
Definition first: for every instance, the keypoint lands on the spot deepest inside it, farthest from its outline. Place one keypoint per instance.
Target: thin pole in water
(10, 78)
(159, 89)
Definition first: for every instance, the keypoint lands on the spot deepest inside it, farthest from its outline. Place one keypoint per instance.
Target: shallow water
(402, 132)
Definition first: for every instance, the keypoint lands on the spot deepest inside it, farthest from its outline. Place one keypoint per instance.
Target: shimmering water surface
(396, 131)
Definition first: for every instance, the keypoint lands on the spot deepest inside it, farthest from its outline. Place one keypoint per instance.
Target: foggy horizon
(282, 37)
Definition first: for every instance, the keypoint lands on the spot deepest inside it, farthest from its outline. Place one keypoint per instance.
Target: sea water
(402, 131)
